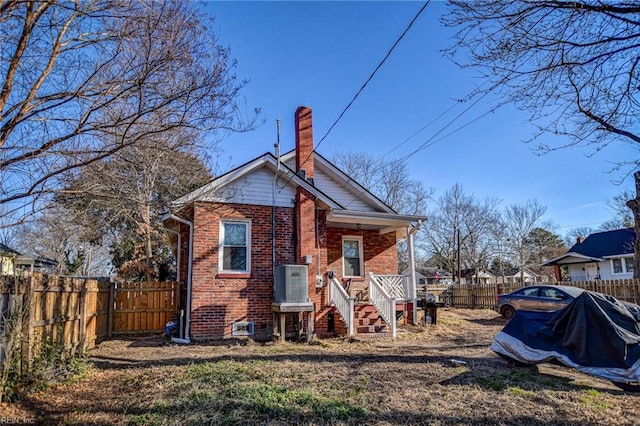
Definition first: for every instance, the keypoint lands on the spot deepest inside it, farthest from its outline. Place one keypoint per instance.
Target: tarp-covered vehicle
(595, 334)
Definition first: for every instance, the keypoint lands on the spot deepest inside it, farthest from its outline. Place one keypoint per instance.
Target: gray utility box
(291, 284)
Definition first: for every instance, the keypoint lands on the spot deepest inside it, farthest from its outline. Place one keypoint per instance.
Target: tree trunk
(148, 246)
(634, 205)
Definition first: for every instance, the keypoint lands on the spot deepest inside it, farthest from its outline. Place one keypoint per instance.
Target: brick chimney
(306, 250)
(304, 142)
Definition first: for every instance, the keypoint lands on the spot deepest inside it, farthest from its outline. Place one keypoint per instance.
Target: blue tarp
(595, 334)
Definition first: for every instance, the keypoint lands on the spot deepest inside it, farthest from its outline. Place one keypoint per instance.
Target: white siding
(577, 272)
(348, 199)
(256, 189)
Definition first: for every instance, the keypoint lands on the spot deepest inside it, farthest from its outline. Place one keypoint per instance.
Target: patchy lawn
(438, 375)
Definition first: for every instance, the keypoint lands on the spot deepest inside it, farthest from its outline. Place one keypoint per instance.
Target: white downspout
(187, 338)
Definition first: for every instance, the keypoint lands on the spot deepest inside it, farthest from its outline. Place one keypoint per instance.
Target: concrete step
(371, 329)
(367, 336)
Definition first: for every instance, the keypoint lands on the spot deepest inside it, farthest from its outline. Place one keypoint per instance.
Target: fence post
(83, 316)
(112, 298)
(27, 317)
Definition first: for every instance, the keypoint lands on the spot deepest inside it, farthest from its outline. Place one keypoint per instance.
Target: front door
(592, 271)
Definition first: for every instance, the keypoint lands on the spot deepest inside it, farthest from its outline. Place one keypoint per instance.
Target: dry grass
(439, 375)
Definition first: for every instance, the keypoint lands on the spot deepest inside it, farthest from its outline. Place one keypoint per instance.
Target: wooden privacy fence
(70, 313)
(483, 295)
(77, 313)
(144, 307)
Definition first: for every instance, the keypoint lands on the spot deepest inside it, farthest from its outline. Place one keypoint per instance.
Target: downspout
(273, 203)
(187, 338)
(412, 269)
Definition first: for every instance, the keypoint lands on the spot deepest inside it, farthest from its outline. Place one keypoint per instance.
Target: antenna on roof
(277, 144)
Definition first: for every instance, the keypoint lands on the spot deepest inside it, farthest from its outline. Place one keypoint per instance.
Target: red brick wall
(219, 301)
(380, 254)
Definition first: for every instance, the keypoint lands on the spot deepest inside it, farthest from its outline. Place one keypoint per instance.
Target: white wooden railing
(343, 303)
(397, 286)
(384, 303)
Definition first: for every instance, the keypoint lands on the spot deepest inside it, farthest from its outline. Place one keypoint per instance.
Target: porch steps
(368, 322)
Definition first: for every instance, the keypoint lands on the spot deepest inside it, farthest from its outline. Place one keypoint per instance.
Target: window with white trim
(352, 259)
(235, 246)
(622, 265)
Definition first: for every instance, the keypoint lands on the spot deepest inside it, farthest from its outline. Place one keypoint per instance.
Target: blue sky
(318, 54)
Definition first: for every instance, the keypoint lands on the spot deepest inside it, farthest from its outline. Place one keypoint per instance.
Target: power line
(372, 74)
(424, 146)
(432, 140)
(365, 83)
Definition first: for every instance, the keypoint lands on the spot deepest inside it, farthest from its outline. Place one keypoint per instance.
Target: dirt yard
(436, 375)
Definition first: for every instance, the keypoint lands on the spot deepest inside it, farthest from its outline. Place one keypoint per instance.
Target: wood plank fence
(76, 313)
(143, 308)
(483, 295)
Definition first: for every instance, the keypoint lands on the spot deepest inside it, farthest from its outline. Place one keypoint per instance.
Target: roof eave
(580, 258)
(386, 221)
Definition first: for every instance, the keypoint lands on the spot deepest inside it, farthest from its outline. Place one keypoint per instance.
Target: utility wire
(366, 83)
(373, 73)
(432, 140)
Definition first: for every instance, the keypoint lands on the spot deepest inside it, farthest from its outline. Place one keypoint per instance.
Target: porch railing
(397, 286)
(343, 303)
(384, 303)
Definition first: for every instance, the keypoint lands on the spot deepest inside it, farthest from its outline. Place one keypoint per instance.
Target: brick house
(290, 245)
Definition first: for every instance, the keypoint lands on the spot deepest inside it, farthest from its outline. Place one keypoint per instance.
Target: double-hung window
(352, 259)
(622, 265)
(235, 246)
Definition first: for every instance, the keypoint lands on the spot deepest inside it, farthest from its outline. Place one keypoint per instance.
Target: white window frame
(360, 253)
(623, 262)
(247, 223)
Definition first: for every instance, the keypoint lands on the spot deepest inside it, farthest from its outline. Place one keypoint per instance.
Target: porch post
(412, 273)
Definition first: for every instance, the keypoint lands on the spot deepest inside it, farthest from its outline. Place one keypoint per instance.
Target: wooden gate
(144, 307)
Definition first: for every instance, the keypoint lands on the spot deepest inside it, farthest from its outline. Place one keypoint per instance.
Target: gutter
(187, 338)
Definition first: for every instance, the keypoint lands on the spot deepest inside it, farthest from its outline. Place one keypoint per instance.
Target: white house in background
(604, 255)
(13, 262)
(7, 260)
(526, 275)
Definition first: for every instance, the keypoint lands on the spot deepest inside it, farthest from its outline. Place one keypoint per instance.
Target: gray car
(545, 298)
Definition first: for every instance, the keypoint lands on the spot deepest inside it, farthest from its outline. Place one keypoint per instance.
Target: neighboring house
(34, 263)
(331, 243)
(13, 262)
(604, 255)
(431, 276)
(481, 276)
(7, 260)
(523, 275)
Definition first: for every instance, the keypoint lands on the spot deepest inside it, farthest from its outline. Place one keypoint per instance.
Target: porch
(374, 310)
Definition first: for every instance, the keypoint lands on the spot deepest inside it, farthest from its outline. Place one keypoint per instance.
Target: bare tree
(388, 180)
(80, 81)
(458, 232)
(622, 215)
(61, 234)
(125, 194)
(577, 234)
(391, 183)
(573, 65)
(520, 220)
